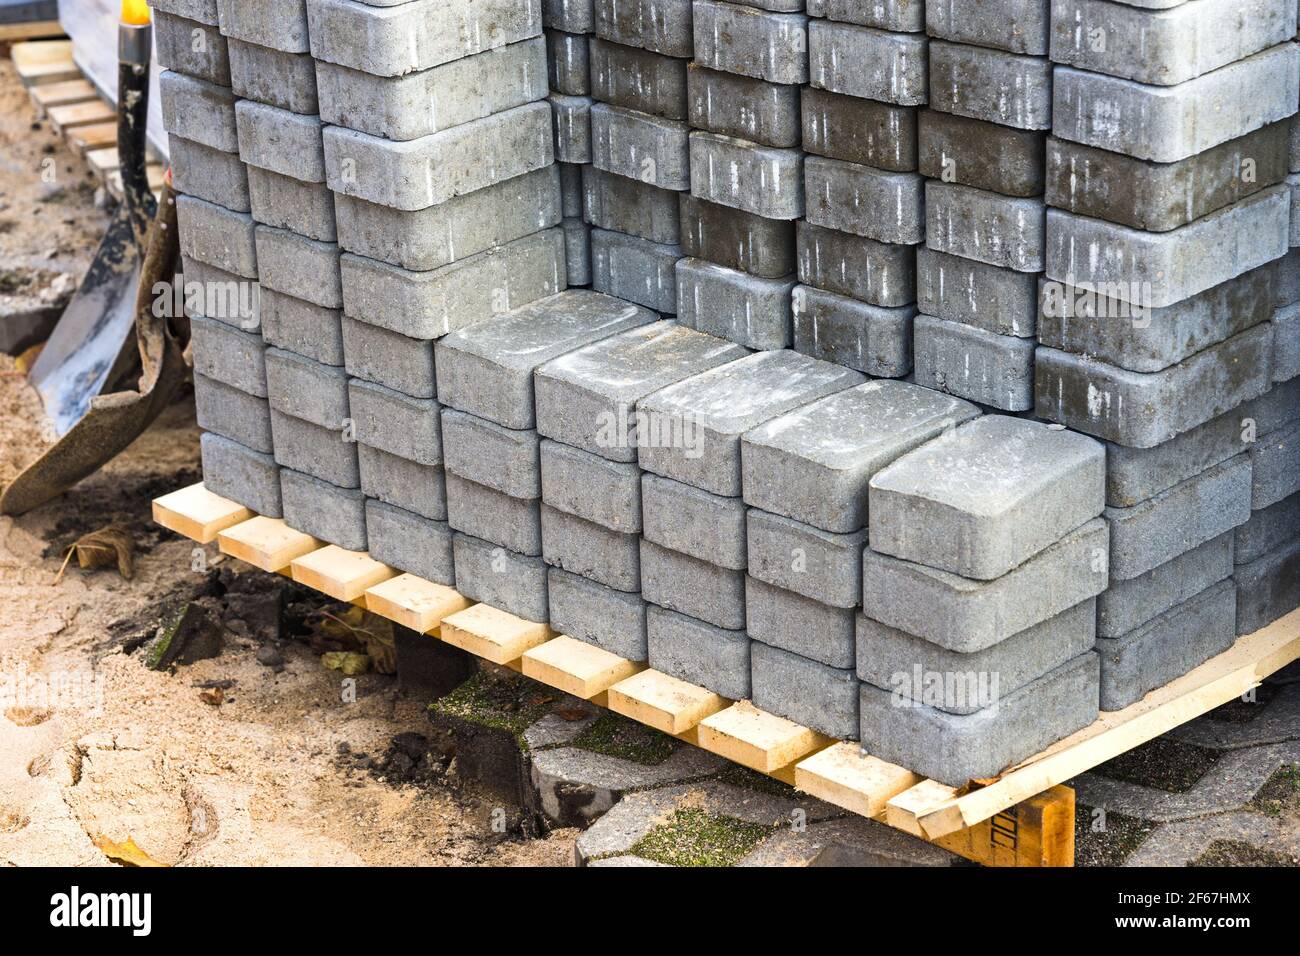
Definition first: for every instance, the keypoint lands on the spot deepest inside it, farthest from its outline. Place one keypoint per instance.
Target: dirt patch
(1164, 763)
(1106, 840)
(1240, 853)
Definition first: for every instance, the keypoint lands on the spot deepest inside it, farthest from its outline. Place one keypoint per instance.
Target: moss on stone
(1241, 853)
(747, 779)
(692, 837)
(1164, 763)
(1280, 793)
(1111, 846)
(500, 701)
(616, 736)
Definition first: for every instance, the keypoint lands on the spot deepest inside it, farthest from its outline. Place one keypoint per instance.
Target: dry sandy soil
(254, 779)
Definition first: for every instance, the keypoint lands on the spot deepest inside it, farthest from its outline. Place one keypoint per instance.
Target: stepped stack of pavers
(1169, 213)
(982, 150)
(865, 214)
(727, 457)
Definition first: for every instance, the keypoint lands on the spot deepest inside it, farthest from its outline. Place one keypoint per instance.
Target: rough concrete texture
(1086, 321)
(1142, 410)
(1159, 269)
(317, 451)
(572, 16)
(424, 239)
(1268, 587)
(418, 104)
(504, 459)
(577, 251)
(232, 413)
(987, 496)
(410, 542)
(920, 671)
(202, 11)
(409, 485)
(855, 130)
(278, 24)
(683, 583)
(751, 42)
(991, 85)
(798, 557)
(571, 119)
(858, 335)
(217, 294)
(966, 615)
(805, 691)
(976, 294)
(734, 305)
(1178, 519)
(880, 205)
(1168, 646)
(568, 63)
(1278, 406)
(1268, 529)
(512, 582)
(638, 79)
(1127, 605)
(994, 370)
(589, 397)
(1179, 44)
(902, 16)
(631, 268)
(1275, 466)
(981, 154)
(595, 614)
(763, 180)
(302, 327)
(955, 749)
(1286, 344)
(585, 548)
(286, 80)
(198, 111)
(393, 40)
(813, 464)
(389, 358)
(1163, 196)
(230, 355)
(1166, 124)
(217, 236)
(301, 267)
(588, 486)
(978, 224)
(209, 174)
(663, 26)
(1136, 474)
(1012, 25)
(878, 273)
(695, 522)
(698, 653)
(736, 239)
(396, 423)
(306, 389)
(487, 369)
(640, 146)
(287, 203)
(279, 140)
(709, 412)
(799, 624)
(631, 206)
(867, 63)
(743, 107)
(323, 510)
(432, 169)
(512, 523)
(241, 474)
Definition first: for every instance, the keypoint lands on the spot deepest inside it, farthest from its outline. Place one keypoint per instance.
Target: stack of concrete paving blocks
(986, 552)
(746, 171)
(219, 257)
(505, 536)
(439, 151)
(982, 149)
(639, 150)
(570, 25)
(865, 201)
(696, 533)
(1164, 174)
(591, 426)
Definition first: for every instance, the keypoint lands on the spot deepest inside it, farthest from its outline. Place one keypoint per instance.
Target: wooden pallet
(44, 61)
(1025, 817)
(29, 30)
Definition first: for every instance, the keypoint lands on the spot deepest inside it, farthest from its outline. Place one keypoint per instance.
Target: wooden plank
(846, 777)
(61, 94)
(904, 811)
(95, 136)
(1036, 832)
(576, 668)
(197, 513)
(266, 543)
(1216, 682)
(343, 575)
(493, 634)
(29, 30)
(44, 61)
(413, 602)
(756, 739)
(664, 702)
(71, 115)
(103, 161)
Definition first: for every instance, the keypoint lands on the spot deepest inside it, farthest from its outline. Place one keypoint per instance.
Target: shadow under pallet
(1024, 817)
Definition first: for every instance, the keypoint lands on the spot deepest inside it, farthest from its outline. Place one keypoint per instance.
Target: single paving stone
(514, 583)
(985, 226)
(512, 523)
(690, 586)
(278, 24)
(878, 273)
(640, 146)
(593, 613)
(976, 294)
(248, 477)
(590, 550)
(850, 841)
(409, 485)
(663, 26)
(758, 43)
(229, 355)
(762, 180)
(855, 130)
(985, 497)
(858, 335)
(631, 268)
(274, 77)
(214, 293)
(233, 414)
(798, 557)
(743, 107)
(504, 459)
(568, 63)
(283, 202)
(313, 450)
(217, 236)
(209, 174)
(867, 63)
(202, 11)
(1278, 406)
(1275, 466)
(991, 85)
(588, 486)
(975, 152)
(306, 389)
(638, 79)
(1286, 344)
(1011, 25)
(994, 370)
(198, 111)
(572, 16)
(279, 140)
(699, 653)
(410, 542)
(733, 305)
(1127, 605)
(1267, 529)
(396, 423)
(805, 691)
(323, 510)
(631, 206)
(799, 624)
(695, 522)
(1268, 587)
(572, 119)
(901, 16)
(388, 358)
(737, 239)
(303, 268)
(880, 205)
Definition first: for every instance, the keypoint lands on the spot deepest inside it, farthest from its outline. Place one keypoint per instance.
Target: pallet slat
(69, 116)
(759, 740)
(846, 777)
(82, 139)
(30, 30)
(197, 513)
(663, 702)
(62, 93)
(577, 668)
(44, 61)
(266, 543)
(414, 602)
(493, 634)
(343, 575)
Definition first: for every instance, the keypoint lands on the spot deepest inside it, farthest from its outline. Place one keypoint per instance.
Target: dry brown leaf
(110, 545)
(127, 853)
(213, 695)
(572, 712)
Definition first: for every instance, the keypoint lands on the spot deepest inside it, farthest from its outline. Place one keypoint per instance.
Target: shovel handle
(134, 53)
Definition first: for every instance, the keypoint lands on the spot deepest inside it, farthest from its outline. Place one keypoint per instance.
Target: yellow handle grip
(135, 13)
